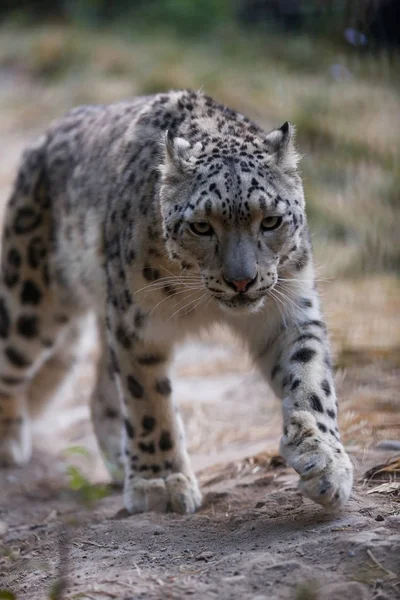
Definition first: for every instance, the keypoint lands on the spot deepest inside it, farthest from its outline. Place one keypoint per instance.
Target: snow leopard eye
(270, 223)
(201, 228)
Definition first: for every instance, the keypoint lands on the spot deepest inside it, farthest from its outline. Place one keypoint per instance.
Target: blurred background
(332, 68)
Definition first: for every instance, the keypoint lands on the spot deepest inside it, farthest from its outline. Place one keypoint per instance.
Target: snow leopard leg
(32, 319)
(298, 366)
(158, 475)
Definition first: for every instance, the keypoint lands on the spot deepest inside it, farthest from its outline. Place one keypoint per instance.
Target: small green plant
(7, 595)
(86, 492)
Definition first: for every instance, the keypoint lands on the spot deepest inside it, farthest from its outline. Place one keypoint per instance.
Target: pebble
(206, 555)
(379, 518)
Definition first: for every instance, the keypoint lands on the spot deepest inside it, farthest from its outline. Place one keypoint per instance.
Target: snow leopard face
(235, 211)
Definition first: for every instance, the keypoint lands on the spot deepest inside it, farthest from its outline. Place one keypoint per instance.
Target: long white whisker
(294, 305)
(188, 304)
(171, 296)
(161, 283)
(196, 305)
(279, 304)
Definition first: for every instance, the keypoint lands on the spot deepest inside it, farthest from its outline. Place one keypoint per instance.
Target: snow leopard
(161, 216)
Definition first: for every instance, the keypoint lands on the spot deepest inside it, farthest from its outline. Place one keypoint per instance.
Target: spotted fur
(161, 216)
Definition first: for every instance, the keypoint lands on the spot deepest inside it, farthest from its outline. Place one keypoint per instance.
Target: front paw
(176, 492)
(326, 471)
(15, 442)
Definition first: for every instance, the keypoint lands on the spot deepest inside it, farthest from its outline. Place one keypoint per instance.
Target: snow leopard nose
(242, 285)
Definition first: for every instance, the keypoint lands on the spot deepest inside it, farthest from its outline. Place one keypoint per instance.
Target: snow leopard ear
(177, 153)
(280, 145)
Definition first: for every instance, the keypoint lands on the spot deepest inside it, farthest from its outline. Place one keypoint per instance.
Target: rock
(345, 591)
(206, 555)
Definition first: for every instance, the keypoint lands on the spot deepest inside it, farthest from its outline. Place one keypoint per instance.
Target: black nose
(240, 285)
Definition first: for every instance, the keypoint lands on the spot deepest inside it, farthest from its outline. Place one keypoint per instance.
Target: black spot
(14, 258)
(322, 427)
(139, 319)
(4, 320)
(277, 368)
(150, 447)
(326, 387)
(26, 220)
(165, 441)
(148, 423)
(150, 274)
(331, 413)
(169, 290)
(295, 385)
(150, 359)
(12, 380)
(305, 301)
(316, 403)
(11, 267)
(136, 389)
(123, 338)
(338, 451)
(36, 252)
(30, 293)
(28, 326)
(129, 429)
(163, 386)
(304, 355)
(17, 358)
(155, 468)
(111, 413)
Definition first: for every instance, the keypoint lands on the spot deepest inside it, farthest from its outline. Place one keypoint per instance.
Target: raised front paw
(326, 471)
(177, 493)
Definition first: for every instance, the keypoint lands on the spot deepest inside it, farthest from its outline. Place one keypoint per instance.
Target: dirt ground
(255, 536)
